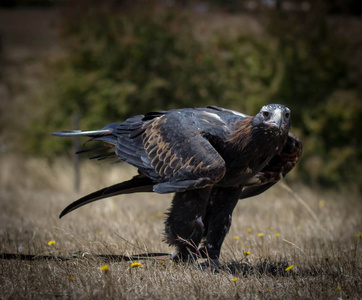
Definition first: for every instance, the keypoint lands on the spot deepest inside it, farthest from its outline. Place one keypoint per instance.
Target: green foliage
(124, 63)
(119, 65)
(316, 85)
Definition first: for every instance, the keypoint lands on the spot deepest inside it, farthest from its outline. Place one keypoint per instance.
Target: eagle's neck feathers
(253, 145)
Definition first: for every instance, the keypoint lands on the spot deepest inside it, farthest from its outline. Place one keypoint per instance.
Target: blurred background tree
(127, 57)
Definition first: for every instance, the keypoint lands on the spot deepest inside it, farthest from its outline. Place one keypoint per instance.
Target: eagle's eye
(287, 115)
(266, 114)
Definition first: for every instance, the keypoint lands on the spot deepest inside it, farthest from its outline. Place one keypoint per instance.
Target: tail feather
(90, 133)
(137, 184)
(106, 135)
(104, 156)
(97, 134)
(100, 156)
(92, 149)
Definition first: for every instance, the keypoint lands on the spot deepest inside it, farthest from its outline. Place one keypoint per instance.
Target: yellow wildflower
(277, 234)
(104, 268)
(100, 232)
(71, 278)
(359, 235)
(299, 227)
(235, 237)
(248, 230)
(289, 268)
(160, 263)
(260, 234)
(53, 233)
(322, 203)
(271, 228)
(246, 253)
(51, 243)
(338, 288)
(136, 265)
(233, 279)
(241, 243)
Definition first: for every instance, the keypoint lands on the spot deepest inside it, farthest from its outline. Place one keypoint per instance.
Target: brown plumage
(209, 157)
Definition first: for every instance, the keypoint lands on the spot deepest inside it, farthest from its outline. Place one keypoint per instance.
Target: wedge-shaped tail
(137, 184)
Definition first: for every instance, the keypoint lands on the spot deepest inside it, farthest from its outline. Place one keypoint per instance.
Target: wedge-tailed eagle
(209, 157)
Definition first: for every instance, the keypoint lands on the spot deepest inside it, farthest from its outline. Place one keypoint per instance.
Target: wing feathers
(169, 147)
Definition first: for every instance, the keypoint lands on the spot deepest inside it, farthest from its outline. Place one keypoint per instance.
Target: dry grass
(324, 250)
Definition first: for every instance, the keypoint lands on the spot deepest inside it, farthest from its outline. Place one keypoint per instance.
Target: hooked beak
(277, 119)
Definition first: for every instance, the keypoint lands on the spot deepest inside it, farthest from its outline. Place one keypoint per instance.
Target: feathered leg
(218, 219)
(184, 225)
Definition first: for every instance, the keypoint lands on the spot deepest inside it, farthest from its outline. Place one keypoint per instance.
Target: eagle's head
(273, 117)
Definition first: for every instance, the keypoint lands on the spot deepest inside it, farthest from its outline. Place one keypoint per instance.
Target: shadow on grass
(268, 266)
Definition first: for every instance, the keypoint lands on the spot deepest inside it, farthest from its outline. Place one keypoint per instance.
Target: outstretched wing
(170, 148)
(276, 169)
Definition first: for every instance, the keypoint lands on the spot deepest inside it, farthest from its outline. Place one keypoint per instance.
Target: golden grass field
(315, 232)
